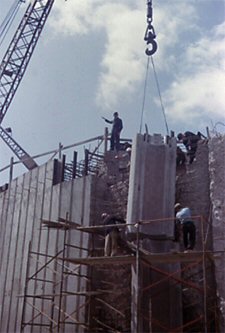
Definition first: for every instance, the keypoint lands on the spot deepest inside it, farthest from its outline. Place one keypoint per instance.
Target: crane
(14, 64)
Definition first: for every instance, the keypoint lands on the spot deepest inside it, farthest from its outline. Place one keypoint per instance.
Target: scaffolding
(106, 300)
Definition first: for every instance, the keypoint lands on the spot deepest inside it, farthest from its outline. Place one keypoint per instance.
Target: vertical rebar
(86, 153)
(106, 139)
(74, 164)
(11, 170)
(204, 276)
(137, 279)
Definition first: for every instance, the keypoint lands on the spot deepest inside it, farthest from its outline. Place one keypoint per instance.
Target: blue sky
(90, 61)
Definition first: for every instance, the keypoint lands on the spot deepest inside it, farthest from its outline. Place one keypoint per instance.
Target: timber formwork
(191, 278)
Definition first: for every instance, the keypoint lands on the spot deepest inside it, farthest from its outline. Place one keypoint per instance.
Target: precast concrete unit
(151, 202)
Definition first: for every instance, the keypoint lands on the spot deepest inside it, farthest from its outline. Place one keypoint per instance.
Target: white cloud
(194, 63)
(199, 89)
(173, 19)
(123, 61)
(72, 17)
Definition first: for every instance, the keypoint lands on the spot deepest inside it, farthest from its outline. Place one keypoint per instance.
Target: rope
(7, 22)
(143, 103)
(160, 97)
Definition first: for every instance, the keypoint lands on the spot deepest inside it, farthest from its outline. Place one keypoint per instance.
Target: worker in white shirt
(183, 216)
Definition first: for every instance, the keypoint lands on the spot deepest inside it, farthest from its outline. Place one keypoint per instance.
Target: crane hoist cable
(7, 22)
(144, 96)
(160, 96)
(159, 93)
(151, 49)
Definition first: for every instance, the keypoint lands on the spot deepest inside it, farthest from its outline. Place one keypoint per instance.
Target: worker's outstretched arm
(107, 121)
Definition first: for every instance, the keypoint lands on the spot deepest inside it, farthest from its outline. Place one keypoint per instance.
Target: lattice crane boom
(16, 59)
(18, 150)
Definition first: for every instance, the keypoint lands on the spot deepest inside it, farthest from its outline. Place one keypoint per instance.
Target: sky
(90, 61)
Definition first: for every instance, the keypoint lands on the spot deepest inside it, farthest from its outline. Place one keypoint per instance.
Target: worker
(111, 233)
(183, 217)
(190, 140)
(117, 126)
(181, 157)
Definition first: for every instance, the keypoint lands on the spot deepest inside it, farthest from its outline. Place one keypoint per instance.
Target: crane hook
(150, 32)
(150, 40)
(151, 50)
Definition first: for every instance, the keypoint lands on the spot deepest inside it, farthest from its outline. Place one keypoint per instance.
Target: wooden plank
(60, 224)
(169, 258)
(152, 258)
(65, 293)
(102, 260)
(100, 228)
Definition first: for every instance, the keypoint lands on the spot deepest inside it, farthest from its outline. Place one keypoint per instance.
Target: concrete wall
(29, 199)
(33, 197)
(200, 186)
(192, 190)
(152, 196)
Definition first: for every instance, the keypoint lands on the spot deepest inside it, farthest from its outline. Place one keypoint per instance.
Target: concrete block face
(217, 195)
(152, 182)
(29, 199)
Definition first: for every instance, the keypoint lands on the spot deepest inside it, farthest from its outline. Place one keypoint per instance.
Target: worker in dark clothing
(181, 158)
(183, 216)
(190, 140)
(111, 233)
(116, 129)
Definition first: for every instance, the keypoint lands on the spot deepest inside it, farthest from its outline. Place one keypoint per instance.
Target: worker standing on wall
(190, 140)
(116, 130)
(111, 234)
(183, 216)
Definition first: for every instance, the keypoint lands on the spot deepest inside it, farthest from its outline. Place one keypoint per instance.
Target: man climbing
(190, 140)
(111, 234)
(183, 216)
(117, 126)
(181, 158)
